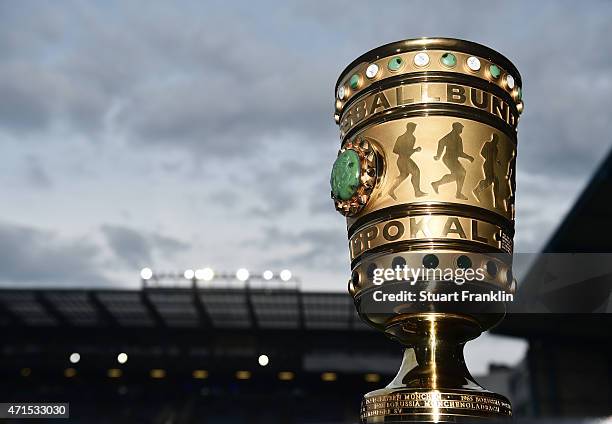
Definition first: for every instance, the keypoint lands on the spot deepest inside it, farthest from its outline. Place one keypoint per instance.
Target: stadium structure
(214, 352)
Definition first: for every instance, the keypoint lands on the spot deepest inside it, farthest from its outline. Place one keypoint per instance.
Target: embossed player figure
(505, 194)
(404, 149)
(452, 147)
(489, 152)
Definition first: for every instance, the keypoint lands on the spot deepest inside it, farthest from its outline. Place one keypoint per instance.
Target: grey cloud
(320, 201)
(27, 97)
(168, 245)
(229, 115)
(325, 249)
(275, 201)
(321, 204)
(30, 255)
(176, 81)
(225, 198)
(136, 249)
(315, 248)
(128, 245)
(41, 29)
(35, 97)
(36, 174)
(280, 184)
(170, 80)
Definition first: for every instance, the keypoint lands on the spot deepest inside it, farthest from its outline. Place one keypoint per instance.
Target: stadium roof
(220, 329)
(585, 230)
(213, 308)
(586, 226)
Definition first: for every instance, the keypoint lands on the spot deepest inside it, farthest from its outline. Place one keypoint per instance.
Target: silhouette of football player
(404, 149)
(452, 147)
(489, 152)
(505, 193)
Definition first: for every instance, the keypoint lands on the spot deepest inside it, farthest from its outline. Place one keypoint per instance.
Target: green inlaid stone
(345, 175)
(495, 71)
(354, 81)
(395, 63)
(519, 93)
(449, 59)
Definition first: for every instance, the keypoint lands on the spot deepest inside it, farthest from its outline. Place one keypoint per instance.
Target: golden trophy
(426, 177)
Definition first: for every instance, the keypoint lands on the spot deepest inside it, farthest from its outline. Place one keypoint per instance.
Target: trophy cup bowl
(425, 177)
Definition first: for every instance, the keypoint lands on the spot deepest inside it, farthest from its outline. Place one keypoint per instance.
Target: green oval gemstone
(519, 93)
(354, 81)
(345, 175)
(449, 59)
(395, 63)
(495, 71)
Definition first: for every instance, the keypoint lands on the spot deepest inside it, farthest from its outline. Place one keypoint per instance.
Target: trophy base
(433, 406)
(433, 383)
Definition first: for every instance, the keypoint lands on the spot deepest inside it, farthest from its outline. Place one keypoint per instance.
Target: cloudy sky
(185, 134)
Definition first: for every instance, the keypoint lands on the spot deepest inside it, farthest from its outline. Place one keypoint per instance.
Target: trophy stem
(433, 357)
(433, 383)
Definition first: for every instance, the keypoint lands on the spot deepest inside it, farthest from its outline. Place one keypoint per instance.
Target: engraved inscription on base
(444, 403)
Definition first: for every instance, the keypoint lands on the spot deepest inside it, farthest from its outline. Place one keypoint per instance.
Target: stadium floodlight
(242, 274)
(189, 274)
(285, 275)
(158, 373)
(146, 273)
(200, 374)
(122, 358)
(329, 376)
(372, 378)
(206, 274)
(268, 275)
(114, 373)
(75, 358)
(243, 375)
(209, 274)
(263, 360)
(286, 376)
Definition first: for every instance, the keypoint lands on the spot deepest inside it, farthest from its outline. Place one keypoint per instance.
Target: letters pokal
(426, 177)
